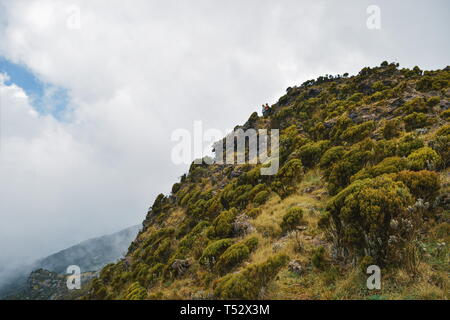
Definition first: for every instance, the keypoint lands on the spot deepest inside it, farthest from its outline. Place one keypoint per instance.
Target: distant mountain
(90, 255)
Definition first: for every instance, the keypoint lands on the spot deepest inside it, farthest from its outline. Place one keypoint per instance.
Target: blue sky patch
(45, 98)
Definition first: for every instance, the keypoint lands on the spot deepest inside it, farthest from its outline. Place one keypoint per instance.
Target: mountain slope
(363, 180)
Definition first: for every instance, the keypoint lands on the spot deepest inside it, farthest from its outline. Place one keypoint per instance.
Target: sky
(90, 92)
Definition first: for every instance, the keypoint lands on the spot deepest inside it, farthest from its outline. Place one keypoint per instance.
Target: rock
(295, 267)
(308, 190)
(241, 225)
(180, 266)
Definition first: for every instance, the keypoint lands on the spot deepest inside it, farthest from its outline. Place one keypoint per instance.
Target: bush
(261, 197)
(222, 226)
(213, 251)
(236, 254)
(257, 189)
(422, 184)
(191, 243)
(370, 217)
(433, 101)
(176, 187)
(292, 219)
(444, 131)
(445, 114)
(387, 165)
(330, 156)
(392, 129)
(365, 262)
(351, 162)
(318, 259)
(213, 207)
(417, 120)
(135, 292)
(441, 144)
(424, 159)
(357, 133)
(249, 283)
(408, 144)
(254, 212)
(415, 105)
(287, 178)
(424, 84)
(310, 153)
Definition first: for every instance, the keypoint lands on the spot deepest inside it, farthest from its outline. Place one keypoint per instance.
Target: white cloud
(136, 72)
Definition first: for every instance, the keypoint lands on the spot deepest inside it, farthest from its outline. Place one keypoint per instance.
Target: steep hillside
(363, 180)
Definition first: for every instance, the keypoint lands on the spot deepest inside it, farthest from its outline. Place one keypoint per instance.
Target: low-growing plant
(424, 159)
(249, 283)
(291, 219)
(236, 254)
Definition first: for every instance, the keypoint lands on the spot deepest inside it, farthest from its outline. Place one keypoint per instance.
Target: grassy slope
(146, 273)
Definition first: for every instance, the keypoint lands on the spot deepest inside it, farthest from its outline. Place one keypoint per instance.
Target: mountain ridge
(363, 180)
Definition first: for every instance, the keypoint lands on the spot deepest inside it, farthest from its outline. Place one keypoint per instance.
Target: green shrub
(311, 152)
(250, 177)
(236, 254)
(415, 105)
(261, 197)
(213, 251)
(351, 162)
(441, 144)
(408, 144)
(254, 212)
(356, 97)
(417, 120)
(392, 129)
(445, 115)
(387, 165)
(98, 290)
(176, 187)
(287, 178)
(422, 184)
(292, 219)
(192, 243)
(290, 140)
(213, 207)
(424, 159)
(370, 217)
(318, 259)
(257, 189)
(433, 101)
(330, 156)
(357, 133)
(365, 262)
(135, 292)
(424, 84)
(222, 226)
(444, 131)
(250, 282)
